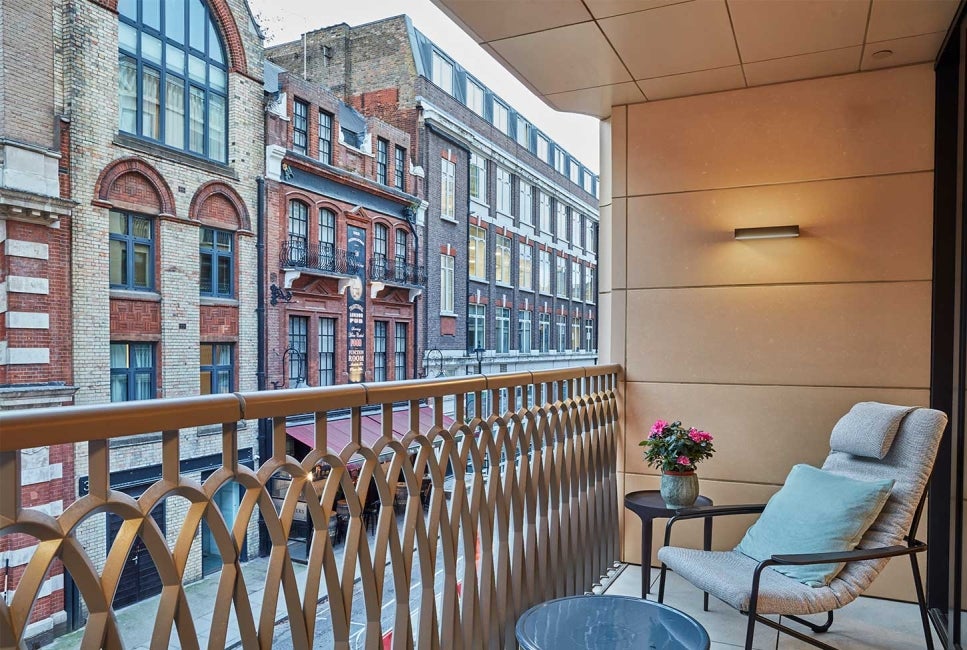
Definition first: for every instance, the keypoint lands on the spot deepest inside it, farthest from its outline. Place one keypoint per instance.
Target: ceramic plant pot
(679, 489)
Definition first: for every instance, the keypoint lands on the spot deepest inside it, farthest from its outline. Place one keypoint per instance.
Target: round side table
(649, 505)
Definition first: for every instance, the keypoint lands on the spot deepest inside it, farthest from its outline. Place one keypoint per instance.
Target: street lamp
(479, 352)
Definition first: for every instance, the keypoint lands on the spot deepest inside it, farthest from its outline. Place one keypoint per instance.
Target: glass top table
(608, 623)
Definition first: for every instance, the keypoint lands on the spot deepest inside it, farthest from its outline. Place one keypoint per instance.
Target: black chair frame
(913, 547)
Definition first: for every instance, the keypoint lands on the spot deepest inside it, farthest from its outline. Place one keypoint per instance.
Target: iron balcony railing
(396, 271)
(474, 522)
(299, 254)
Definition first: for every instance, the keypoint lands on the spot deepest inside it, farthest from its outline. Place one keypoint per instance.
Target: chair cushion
(815, 512)
(727, 575)
(868, 429)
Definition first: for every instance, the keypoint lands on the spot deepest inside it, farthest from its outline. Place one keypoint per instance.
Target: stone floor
(865, 624)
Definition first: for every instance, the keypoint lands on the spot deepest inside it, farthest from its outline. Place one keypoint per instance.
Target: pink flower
(699, 436)
(683, 460)
(657, 428)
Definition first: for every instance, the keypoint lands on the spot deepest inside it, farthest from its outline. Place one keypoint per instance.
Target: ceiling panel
(693, 83)
(497, 19)
(673, 39)
(890, 19)
(914, 49)
(597, 101)
(804, 66)
(553, 62)
(605, 8)
(766, 29)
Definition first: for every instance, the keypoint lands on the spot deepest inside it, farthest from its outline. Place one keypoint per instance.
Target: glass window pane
(128, 94)
(175, 20)
(142, 386)
(142, 266)
(196, 120)
(224, 240)
(119, 388)
(224, 355)
(216, 127)
(224, 275)
(141, 227)
(175, 59)
(174, 112)
(119, 262)
(205, 356)
(151, 13)
(216, 77)
(196, 69)
(207, 237)
(141, 356)
(214, 44)
(150, 48)
(119, 223)
(150, 103)
(128, 37)
(223, 381)
(119, 355)
(205, 279)
(128, 8)
(205, 383)
(196, 24)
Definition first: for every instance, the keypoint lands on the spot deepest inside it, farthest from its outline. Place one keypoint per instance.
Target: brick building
(343, 223)
(35, 306)
(132, 140)
(511, 228)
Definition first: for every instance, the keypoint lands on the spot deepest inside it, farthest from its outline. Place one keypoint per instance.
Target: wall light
(767, 232)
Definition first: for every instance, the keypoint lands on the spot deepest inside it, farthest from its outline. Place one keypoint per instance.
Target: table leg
(708, 547)
(645, 556)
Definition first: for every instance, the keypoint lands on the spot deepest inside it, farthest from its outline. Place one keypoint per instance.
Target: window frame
(544, 212)
(399, 169)
(525, 266)
(560, 281)
(544, 332)
(502, 260)
(441, 72)
(476, 326)
(165, 67)
(523, 132)
(448, 184)
(300, 126)
(292, 341)
(215, 254)
(501, 117)
(576, 345)
(524, 331)
(327, 351)
(576, 229)
(447, 264)
(478, 178)
(560, 225)
(576, 278)
(545, 271)
(502, 330)
(477, 253)
(589, 289)
(382, 161)
(130, 242)
(504, 190)
(380, 332)
(400, 341)
(326, 121)
(543, 148)
(327, 225)
(525, 207)
(476, 97)
(214, 367)
(131, 372)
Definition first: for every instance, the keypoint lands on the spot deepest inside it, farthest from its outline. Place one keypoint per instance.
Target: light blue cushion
(815, 512)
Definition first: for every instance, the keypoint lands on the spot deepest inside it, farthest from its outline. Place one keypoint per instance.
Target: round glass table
(608, 623)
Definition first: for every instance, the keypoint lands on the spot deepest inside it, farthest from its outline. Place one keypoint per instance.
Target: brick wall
(27, 112)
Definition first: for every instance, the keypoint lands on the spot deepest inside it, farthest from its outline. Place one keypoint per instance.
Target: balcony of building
(396, 272)
(297, 256)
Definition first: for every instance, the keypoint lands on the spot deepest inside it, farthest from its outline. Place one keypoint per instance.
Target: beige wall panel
(855, 125)
(612, 313)
(857, 229)
(608, 145)
(726, 531)
(768, 428)
(618, 259)
(874, 334)
(619, 151)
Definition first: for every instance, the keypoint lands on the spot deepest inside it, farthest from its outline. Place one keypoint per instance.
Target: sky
(285, 20)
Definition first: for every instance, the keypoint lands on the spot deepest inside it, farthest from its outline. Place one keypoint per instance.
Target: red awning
(339, 431)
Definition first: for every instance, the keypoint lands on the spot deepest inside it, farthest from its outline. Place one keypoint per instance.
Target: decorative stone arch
(225, 22)
(218, 204)
(132, 184)
(325, 204)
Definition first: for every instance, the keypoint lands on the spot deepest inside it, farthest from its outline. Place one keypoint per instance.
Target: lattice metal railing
(521, 507)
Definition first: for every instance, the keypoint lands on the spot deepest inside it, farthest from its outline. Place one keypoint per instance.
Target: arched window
(173, 81)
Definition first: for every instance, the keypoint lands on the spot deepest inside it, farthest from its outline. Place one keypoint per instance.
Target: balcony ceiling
(585, 56)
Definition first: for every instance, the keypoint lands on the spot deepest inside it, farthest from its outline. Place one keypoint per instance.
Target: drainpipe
(264, 424)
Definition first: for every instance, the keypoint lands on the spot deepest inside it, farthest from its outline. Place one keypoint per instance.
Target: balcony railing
(527, 497)
(297, 254)
(396, 271)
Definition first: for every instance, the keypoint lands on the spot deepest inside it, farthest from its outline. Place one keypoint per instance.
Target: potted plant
(676, 451)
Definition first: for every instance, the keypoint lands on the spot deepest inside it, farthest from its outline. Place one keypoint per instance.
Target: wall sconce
(767, 232)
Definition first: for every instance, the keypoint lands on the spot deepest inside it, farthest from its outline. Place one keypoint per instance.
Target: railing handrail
(24, 429)
(297, 252)
(397, 269)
